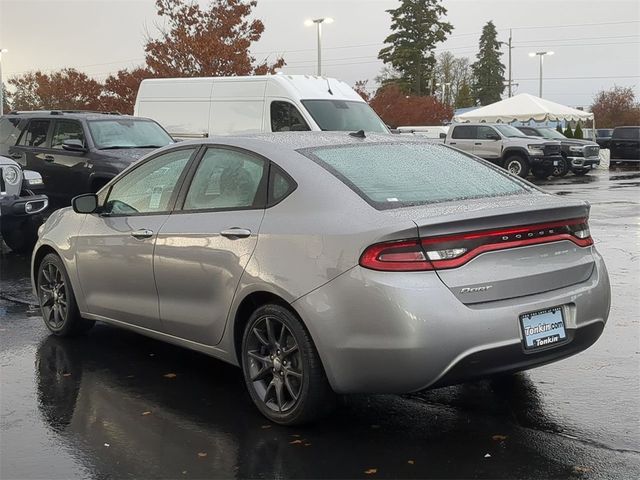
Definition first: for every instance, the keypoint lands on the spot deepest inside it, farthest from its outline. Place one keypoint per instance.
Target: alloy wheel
(52, 290)
(559, 169)
(514, 167)
(275, 364)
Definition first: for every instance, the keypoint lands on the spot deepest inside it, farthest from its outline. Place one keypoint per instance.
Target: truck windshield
(509, 131)
(341, 115)
(127, 133)
(551, 133)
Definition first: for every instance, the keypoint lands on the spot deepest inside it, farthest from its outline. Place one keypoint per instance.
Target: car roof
(76, 114)
(294, 141)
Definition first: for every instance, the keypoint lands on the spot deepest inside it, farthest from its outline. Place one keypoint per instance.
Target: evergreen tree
(488, 70)
(567, 131)
(577, 133)
(417, 27)
(559, 127)
(464, 99)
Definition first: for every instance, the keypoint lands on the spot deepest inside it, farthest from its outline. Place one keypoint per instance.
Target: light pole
(2, 50)
(318, 22)
(541, 55)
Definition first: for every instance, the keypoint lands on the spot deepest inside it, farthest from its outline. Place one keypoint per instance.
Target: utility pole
(510, 78)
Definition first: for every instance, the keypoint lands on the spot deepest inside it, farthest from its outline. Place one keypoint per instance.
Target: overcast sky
(596, 43)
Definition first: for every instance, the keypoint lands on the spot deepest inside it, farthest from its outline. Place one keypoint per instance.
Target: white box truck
(203, 106)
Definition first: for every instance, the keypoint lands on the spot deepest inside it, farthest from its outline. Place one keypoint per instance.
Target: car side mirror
(443, 135)
(31, 180)
(493, 136)
(86, 203)
(73, 145)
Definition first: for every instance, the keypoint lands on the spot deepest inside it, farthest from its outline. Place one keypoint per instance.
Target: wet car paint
(105, 406)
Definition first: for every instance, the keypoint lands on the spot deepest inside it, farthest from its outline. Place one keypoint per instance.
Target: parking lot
(116, 404)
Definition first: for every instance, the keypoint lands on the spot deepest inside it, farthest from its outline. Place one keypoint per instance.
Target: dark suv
(625, 145)
(77, 152)
(579, 156)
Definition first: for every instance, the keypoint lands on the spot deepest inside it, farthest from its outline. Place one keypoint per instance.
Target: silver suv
(507, 147)
(19, 205)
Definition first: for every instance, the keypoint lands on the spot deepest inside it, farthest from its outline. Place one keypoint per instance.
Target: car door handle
(142, 233)
(235, 232)
(49, 158)
(478, 143)
(452, 143)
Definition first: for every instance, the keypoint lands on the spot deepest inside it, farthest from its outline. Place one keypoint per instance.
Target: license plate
(555, 163)
(543, 328)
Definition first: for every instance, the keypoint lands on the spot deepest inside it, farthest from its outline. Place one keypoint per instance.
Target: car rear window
(399, 175)
(632, 133)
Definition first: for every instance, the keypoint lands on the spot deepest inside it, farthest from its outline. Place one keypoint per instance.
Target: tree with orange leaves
(206, 42)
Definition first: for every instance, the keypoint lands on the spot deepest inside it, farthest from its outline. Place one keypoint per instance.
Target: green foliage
(464, 99)
(577, 133)
(6, 99)
(417, 27)
(559, 128)
(567, 131)
(488, 70)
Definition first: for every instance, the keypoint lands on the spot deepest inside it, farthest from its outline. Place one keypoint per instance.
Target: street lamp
(541, 55)
(2, 50)
(318, 22)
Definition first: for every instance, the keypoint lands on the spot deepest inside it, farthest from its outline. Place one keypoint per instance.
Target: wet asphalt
(103, 406)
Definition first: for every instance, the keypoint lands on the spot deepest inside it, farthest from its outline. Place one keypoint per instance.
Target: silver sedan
(328, 263)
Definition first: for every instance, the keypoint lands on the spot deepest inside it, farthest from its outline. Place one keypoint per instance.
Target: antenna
(329, 87)
(358, 134)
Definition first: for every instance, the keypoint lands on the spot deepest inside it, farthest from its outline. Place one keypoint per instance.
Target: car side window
(464, 132)
(148, 188)
(66, 130)
(485, 133)
(226, 179)
(280, 185)
(35, 135)
(285, 117)
(9, 133)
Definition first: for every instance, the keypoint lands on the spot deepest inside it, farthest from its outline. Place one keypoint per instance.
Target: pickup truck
(579, 156)
(625, 145)
(507, 147)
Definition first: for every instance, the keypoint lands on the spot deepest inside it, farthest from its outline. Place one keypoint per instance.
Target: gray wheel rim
(514, 167)
(274, 364)
(558, 169)
(52, 290)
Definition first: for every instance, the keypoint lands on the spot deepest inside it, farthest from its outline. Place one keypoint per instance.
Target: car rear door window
(485, 133)
(66, 130)
(227, 179)
(35, 134)
(463, 132)
(150, 187)
(627, 133)
(285, 117)
(398, 175)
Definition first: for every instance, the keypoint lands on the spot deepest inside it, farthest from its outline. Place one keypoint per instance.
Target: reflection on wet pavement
(102, 406)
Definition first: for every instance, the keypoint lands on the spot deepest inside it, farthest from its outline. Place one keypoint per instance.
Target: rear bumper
(385, 332)
(15, 206)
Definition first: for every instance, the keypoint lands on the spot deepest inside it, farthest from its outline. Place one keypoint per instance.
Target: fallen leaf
(130, 376)
(487, 455)
(107, 445)
(411, 462)
(375, 426)
(295, 435)
(66, 374)
(146, 413)
(202, 454)
(184, 472)
(169, 375)
(152, 354)
(264, 427)
(307, 444)
(295, 442)
(499, 438)
(371, 471)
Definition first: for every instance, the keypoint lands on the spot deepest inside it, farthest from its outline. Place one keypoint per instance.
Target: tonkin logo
(476, 289)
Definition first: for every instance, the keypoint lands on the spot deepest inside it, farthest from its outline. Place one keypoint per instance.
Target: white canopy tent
(524, 108)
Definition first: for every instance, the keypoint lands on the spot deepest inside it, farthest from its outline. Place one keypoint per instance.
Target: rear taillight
(451, 251)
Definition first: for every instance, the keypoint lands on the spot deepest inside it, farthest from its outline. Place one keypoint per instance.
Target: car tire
(561, 169)
(20, 234)
(282, 370)
(516, 165)
(57, 300)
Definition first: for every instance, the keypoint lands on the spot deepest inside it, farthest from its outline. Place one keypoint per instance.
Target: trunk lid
(541, 259)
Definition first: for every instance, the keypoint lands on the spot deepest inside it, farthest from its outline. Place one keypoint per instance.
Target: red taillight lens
(451, 251)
